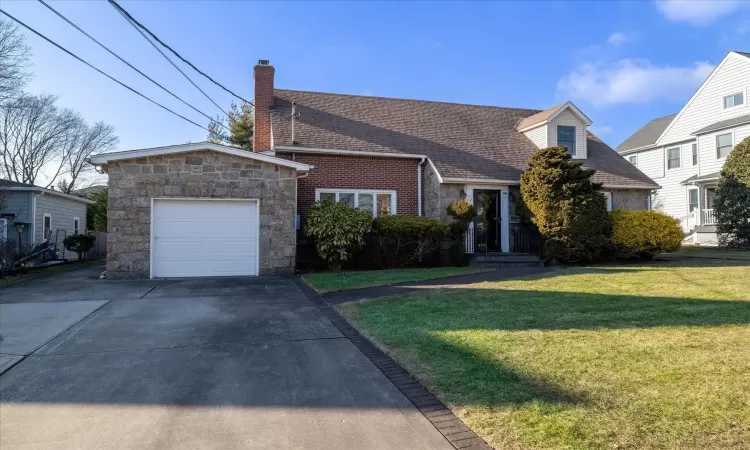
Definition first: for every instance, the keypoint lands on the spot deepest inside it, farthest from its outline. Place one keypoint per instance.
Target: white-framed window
(566, 137)
(633, 160)
(724, 143)
(608, 197)
(694, 150)
(3, 228)
(733, 100)
(378, 202)
(673, 158)
(76, 221)
(47, 226)
(692, 199)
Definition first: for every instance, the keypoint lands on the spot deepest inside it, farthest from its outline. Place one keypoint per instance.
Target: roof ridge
(534, 111)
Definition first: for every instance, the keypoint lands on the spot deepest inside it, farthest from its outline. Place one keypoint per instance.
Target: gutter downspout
(419, 186)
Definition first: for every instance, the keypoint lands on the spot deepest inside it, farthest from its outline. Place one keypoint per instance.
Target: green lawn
(693, 251)
(647, 356)
(341, 281)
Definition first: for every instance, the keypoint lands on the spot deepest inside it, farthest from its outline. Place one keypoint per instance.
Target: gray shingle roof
(9, 183)
(724, 124)
(647, 135)
(462, 141)
(743, 54)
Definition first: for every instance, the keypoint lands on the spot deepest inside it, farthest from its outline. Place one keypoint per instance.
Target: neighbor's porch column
(505, 221)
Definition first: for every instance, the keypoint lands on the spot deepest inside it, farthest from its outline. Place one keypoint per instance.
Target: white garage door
(202, 238)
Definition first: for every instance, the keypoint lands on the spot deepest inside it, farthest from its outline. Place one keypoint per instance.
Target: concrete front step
(502, 257)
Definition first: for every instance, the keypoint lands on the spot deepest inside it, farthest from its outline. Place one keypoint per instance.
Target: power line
(171, 62)
(102, 72)
(130, 18)
(129, 65)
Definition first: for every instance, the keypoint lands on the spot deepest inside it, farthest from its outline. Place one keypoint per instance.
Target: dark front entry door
(488, 221)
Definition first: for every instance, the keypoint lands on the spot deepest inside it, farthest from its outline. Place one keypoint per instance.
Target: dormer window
(734, 100)
(566, 137)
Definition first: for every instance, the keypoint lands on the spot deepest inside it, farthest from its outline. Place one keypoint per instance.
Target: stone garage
(199, 210)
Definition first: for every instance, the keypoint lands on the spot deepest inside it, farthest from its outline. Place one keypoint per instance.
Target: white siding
(707, 148)
(569, 119)
(62, 211)
(732, 75)
(538, 136)
(672, 197)
(651, 162)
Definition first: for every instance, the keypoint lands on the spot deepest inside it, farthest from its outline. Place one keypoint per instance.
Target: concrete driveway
(189, 363)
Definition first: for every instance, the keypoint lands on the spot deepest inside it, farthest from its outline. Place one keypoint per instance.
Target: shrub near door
(644, 234)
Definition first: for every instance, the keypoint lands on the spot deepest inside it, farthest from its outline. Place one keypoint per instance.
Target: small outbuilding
(200, 210)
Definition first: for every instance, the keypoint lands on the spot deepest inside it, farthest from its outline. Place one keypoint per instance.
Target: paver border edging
(442, 418)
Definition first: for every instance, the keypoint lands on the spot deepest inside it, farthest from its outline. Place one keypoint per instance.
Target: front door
(488, 222)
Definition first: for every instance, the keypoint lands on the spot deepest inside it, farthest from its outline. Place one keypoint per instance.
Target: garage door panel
(205, 238)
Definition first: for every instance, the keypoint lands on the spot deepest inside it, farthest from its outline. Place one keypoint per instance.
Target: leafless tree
(14, 57)
(91, 140)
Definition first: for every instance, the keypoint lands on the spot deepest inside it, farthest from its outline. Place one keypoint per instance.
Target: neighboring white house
(685, 152)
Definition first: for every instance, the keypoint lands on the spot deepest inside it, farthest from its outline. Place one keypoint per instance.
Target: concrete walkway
(224, 363)
(334, 298)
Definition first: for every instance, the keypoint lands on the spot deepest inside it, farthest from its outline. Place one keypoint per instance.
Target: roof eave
(53, 193)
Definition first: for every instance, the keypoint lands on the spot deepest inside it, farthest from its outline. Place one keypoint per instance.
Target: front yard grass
(324, 282)
(694, 251)
(640, 356)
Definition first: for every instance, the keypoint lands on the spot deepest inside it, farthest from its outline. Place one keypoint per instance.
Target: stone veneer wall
(630, 199)
(133, 183)
(438, 196)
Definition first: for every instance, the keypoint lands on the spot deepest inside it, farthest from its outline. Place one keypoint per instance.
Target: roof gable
(664, 137)
(546, 116)
(646, 135)
(104, 158)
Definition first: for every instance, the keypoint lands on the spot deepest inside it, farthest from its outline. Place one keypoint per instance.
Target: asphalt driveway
(189, 363)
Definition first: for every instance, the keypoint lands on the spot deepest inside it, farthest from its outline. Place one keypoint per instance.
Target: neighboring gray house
(39, 212)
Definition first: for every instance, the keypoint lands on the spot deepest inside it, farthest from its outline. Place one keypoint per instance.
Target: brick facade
(205, 174)
(357, 172)
(264, 100)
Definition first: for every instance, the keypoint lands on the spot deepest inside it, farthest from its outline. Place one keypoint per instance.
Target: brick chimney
(263, 75)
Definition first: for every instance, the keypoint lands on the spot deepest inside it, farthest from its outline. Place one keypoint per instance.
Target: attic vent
(263, 62)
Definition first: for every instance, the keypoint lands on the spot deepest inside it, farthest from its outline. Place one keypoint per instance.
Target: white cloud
(601, 130)
(697, 12)
(632, 81)
(617, 38)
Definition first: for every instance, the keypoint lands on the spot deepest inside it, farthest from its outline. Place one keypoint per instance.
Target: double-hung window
(673, 158)
(566, 137)
(723, 145)
(633, 160)
(75, 225)
(734, 100)
(47, 226)
(378, 203)
(694, 149)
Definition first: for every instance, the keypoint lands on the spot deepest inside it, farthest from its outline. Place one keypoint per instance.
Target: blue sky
(622, 63)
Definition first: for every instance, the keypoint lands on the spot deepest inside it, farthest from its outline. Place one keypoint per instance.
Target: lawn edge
(39, 273)
(440, 416)
(398, 283)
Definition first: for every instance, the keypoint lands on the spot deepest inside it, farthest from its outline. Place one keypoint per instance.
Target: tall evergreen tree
(732, 204)
(566, 206)
(240, 123)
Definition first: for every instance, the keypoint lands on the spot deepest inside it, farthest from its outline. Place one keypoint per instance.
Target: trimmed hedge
(338, 231)
(644, 234)
(408, 240)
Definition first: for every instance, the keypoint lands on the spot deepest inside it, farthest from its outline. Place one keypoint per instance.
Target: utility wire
(103, 73)
(129, 65)
(131, 19)
(171, 62)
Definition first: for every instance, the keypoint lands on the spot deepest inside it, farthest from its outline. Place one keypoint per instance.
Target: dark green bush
(408, 240)
(732, 204)
(566, 206)
(462, 210)
(338, 231)
(80, 244)
(644, 234)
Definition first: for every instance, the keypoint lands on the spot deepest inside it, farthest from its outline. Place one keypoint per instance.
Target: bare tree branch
(90, 140)
(14, 56)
